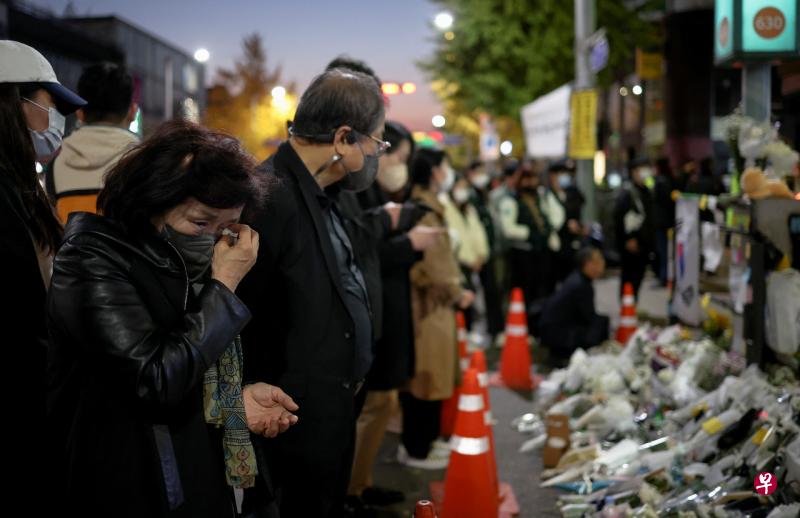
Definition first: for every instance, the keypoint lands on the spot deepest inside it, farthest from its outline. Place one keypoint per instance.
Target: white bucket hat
(20, 63)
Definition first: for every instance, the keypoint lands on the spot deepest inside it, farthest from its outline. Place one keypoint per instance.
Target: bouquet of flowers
(757, 144)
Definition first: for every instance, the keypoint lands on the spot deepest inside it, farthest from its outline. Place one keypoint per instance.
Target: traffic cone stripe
(627, 315)
(516, 330)
(483, 379)
(470, 490)
(515, 361)
(469, 445)
(447, 417)
(470, 403)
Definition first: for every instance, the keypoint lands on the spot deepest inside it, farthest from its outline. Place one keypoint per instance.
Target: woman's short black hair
(337, 98)
(394, 133)
(180, 160)
(425, 159)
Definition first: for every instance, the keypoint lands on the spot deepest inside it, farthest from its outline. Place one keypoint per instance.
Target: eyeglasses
(383, 145)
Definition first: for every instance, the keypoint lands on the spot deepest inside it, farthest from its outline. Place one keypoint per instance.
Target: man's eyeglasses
(383, 145)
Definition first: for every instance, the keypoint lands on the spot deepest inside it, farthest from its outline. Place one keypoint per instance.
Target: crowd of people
(214, 337)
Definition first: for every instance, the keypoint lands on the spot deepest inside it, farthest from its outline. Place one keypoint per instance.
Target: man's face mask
(46, 143)
(357, 181)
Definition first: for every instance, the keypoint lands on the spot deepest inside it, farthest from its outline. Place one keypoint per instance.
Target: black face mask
(196, 252)
(355, 181)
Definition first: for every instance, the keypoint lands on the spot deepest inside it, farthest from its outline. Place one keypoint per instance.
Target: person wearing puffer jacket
(77, 174)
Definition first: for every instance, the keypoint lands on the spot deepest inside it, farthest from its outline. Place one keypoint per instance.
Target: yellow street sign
(583, 125)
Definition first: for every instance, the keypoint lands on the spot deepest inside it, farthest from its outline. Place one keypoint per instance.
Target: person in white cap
(32, 109)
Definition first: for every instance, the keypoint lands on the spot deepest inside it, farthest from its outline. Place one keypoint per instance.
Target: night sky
(301, 36)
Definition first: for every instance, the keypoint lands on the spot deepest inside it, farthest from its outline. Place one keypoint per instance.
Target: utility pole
(585, 21)
(756, 91)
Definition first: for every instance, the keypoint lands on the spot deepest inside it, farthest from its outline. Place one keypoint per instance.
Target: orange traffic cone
(478, 362)
(468, 488)
(450, 406)
(627, 321)
(461, 325)
(424, 509)
(515, 362)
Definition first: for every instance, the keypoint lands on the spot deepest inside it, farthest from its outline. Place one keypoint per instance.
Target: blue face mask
(46, 143)
(564, 180)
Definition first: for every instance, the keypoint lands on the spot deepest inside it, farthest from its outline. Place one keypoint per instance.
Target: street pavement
(521, 470)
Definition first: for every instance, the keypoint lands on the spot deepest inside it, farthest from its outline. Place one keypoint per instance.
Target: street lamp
(506, 147)
(443, 21)
(438, 121)
(201, 55)
(390, 88)
(281, 100)
(278, 92)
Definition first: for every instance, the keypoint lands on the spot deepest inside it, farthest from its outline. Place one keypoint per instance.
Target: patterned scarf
(223, 403)
(223, 406)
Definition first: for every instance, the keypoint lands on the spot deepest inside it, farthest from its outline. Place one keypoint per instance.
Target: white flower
(753, 136)
(781, 157)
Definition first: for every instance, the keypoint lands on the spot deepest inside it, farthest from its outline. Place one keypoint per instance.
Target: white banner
(686, 295)
(546, 124)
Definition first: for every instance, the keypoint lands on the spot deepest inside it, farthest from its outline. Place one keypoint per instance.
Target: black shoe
(382, 496)
(354, 507)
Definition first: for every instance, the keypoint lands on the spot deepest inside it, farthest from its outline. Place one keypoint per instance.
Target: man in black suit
(569, 320)
(311, 332)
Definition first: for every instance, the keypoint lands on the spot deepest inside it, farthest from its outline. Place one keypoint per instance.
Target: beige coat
(471, 243)
(435, 290)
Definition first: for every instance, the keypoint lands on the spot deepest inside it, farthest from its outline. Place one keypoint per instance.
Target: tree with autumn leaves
(502, 54)
(241, 101)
